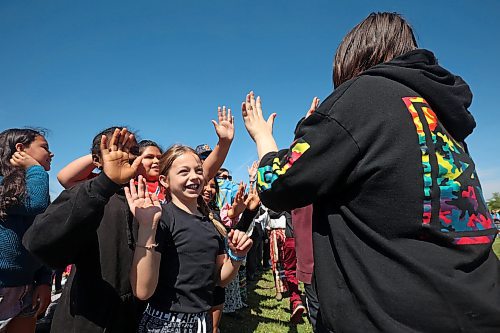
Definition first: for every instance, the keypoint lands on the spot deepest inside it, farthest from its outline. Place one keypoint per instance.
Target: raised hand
(252, 170)
(239, 242)
(145, 207)
(313, 107)
(254, 120)
(225, 127)
(23, 160)
(252, 202)
(239, 202)
(116, 156)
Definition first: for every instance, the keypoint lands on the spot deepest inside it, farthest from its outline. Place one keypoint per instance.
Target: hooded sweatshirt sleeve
(313, 165)
(67, 228)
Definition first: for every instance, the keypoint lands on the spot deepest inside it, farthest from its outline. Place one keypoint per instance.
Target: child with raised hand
(89, 226)
(179, 256)
(24, 192)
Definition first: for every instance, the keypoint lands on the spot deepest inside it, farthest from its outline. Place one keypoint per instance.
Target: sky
(163, 67)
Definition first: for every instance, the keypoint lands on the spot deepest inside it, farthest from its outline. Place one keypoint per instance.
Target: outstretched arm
(225, 131)
(66, 232)
(145, 268)
(314, 164)
(238, 245)
(76, 171)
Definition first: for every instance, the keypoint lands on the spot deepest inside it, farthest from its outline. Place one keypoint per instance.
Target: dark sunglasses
(225, 177)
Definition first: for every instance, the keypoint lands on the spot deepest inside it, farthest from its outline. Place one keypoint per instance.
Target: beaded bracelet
(231, 254)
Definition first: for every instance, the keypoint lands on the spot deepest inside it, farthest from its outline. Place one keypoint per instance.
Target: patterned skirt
(155, 321)
(277, 242)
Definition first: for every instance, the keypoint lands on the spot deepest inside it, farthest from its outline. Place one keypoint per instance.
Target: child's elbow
(142, 293)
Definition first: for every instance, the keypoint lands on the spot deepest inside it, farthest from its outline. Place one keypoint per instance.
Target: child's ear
(96, 160)
(19, 147)
(163, 181)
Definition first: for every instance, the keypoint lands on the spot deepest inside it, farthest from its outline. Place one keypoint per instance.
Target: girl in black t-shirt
(179, 255)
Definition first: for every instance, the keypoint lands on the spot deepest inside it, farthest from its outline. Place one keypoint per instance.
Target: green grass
(264, 313)
(496, 246)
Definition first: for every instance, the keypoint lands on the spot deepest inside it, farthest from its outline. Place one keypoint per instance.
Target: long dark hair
(378, 38)
(213, 203)
(13, 185)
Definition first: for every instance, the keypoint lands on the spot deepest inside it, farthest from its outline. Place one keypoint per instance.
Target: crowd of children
(161, 241)
(154, 240)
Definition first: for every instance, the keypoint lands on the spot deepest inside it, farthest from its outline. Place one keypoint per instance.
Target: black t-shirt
(189, 246)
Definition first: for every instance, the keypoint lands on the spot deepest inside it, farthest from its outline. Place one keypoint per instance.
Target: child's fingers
(215, 124)
(234, 237)
(313, 104)
(155, 200)
(103, 145)
(129, 142)
(270, 121)
(140, 187)
(224, 113)
(128, 195)
(258, 105)
(124, 142)
(133, 190)
(246, 244)
(137, 162)
(113, 143)
(122, 138)
(219, 114)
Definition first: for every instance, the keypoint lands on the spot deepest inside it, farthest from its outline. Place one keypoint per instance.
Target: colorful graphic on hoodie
(450, 181)
(266, 175)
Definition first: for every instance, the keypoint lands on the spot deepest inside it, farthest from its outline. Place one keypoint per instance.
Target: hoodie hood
(447, 94)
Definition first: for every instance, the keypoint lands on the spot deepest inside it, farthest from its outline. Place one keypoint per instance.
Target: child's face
(150, 166)
(209, 191)
(39, 150)
(185, 178)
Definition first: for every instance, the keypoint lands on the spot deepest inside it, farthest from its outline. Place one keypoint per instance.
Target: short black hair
(143, 144)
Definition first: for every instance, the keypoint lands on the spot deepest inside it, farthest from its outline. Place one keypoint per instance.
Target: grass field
(264, 313)
(496, 246)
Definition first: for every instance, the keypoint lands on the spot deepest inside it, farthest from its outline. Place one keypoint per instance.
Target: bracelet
(232, 255)
(150, 247)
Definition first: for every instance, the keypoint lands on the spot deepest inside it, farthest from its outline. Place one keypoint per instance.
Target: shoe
(297, 311)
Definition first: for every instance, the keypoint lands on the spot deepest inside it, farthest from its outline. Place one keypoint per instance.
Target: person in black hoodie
(402, 236)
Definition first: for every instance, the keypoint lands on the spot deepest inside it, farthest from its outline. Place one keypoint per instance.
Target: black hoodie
(402, 236)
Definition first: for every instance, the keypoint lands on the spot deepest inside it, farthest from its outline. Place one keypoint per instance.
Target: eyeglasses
(225, 177)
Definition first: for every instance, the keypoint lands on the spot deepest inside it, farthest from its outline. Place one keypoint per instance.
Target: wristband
(232, 255)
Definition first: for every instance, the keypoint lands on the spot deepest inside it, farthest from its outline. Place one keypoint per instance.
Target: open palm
(116, 156)
(225, 127)
(145, 207)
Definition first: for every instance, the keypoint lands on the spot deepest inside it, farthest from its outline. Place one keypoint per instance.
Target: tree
(494, 202)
